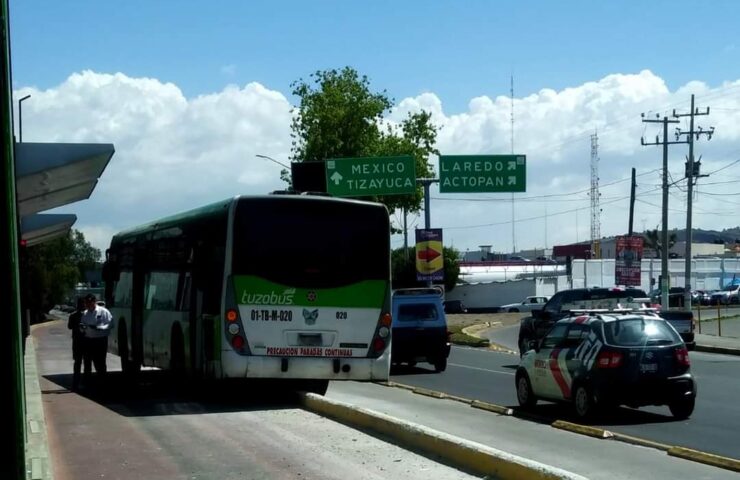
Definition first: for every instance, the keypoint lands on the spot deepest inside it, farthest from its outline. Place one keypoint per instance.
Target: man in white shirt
(96, 322)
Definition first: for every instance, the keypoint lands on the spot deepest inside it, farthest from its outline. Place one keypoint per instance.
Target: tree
(404, 270)
(652, 240)
(52, 269)
(339, 116)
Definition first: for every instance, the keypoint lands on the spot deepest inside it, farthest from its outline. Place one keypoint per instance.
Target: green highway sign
(482, 173)
(368, 176)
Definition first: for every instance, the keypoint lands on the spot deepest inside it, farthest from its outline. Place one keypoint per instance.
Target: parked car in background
(455, 306)
(527, 305)
(701, 297)
(730, 295)
(675, 297)
(535, 327)
(517, 258)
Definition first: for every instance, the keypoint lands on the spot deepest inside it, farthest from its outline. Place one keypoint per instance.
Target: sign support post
(426, 183)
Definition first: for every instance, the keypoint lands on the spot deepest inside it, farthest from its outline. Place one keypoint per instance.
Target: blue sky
(458, 50)
(181, 87)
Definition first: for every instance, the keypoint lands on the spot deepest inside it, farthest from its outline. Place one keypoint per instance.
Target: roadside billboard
(629, 258)
(429, 260)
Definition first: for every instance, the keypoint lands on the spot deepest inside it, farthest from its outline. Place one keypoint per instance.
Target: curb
(708, 458)
(38, 461)
(640, 441)
(473, 332)
(582, 429)
(457, 452)
(714, 349)
(499, 348)
(491, 407)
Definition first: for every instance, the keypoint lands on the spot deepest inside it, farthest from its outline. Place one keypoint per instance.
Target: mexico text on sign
(482, 173)
(368, 176)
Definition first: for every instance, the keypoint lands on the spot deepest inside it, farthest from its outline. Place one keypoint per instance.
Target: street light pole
(20, 118)
(273, 160)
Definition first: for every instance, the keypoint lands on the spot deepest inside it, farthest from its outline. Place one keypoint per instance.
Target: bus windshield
(311, 242)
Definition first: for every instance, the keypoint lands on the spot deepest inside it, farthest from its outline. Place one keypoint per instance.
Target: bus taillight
(378, 344)
(237, 342)
(385, 320)
(232, 315)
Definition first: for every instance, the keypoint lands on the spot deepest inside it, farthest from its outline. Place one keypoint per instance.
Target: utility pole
(632, 202)
(664, 229)
(691, 173)
(405, 236)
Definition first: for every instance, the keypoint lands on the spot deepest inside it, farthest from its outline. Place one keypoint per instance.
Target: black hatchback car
(596, 360)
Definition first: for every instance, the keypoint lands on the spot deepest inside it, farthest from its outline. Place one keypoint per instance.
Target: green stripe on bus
(251, 290)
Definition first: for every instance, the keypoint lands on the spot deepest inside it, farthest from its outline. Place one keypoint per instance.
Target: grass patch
(459, 338)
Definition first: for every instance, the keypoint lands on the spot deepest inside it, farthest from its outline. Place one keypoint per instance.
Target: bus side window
(122, 290)
(184, 303)
(161, 293)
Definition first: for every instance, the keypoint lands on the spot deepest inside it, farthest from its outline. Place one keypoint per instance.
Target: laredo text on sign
(482, 173)
(362, 177)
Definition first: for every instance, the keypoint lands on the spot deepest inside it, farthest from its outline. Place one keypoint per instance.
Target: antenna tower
(595, 210)
(513, 222)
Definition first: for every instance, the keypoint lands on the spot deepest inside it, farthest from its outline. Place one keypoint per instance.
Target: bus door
(137, 308)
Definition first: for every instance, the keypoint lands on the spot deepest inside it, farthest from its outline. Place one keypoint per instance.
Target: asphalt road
(489, 376)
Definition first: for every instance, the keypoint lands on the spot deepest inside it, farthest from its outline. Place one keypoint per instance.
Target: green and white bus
(276, 286)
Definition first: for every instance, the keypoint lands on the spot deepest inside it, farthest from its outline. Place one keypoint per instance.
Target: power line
(539, 217)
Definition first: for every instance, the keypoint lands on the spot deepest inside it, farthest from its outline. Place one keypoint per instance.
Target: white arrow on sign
(512, 165)
(512, 180)
(336, 178)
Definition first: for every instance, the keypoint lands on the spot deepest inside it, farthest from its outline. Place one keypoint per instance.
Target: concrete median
(463, 454)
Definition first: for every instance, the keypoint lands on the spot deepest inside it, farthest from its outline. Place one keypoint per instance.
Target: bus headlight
(383, 332)
(234, 328)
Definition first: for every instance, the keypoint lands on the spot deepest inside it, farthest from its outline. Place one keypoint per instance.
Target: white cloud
(172, 153)
(175, 153)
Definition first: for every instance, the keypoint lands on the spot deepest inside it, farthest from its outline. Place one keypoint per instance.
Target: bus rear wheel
(177, 353)
(319, 387)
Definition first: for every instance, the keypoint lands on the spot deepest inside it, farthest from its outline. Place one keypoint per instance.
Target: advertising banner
(429, 261)
(629, 259)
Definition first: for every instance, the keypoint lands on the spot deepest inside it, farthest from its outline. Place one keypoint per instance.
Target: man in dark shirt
(78, 347)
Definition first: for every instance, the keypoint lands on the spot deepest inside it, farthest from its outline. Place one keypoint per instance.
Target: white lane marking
(478, 368)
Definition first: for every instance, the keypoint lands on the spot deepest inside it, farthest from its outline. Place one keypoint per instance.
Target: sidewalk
(708, 338)
(716, 344)
(38, 462)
